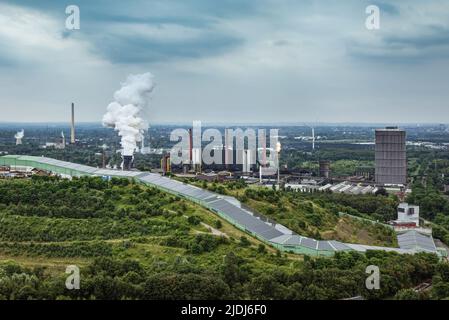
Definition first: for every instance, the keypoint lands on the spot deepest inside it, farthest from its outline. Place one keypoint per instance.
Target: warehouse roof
(415, 240)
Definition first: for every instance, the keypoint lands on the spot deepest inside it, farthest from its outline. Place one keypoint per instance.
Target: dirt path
(214, 231)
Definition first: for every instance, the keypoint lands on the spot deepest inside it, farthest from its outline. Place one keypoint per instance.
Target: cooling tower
(325, 169)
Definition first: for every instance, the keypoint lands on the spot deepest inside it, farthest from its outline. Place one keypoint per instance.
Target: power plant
(124, 114)
(390, 156)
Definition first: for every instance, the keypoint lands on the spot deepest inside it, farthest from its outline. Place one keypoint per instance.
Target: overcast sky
(229, 60)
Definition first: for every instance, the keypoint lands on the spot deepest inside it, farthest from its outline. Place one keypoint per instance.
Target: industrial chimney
(72, 130)
(127, 162)
(190, 146)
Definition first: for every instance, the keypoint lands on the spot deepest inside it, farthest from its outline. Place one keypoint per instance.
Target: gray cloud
(432, 42)
(387, 7)
(431, 36)
(137, 49)
(265, 60)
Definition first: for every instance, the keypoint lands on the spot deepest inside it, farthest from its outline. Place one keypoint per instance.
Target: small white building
(408, 215)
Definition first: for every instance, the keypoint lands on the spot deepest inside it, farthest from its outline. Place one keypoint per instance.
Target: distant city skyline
(234, 61)
(230, 123)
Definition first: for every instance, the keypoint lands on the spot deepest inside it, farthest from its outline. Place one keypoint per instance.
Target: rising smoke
(20, 134)
(124, 113)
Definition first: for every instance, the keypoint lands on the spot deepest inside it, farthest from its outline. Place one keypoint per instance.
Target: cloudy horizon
(230, 61)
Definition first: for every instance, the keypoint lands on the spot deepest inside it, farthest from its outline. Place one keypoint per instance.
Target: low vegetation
(318, 215)
(136, 242)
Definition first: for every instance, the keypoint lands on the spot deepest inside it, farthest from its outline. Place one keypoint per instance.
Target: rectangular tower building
(391, 158)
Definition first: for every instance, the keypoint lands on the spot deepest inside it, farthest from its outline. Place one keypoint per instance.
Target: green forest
(136, 242)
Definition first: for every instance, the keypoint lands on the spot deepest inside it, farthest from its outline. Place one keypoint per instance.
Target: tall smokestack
(190, 146)
(313, 138)
(63, 139)
(72, 131)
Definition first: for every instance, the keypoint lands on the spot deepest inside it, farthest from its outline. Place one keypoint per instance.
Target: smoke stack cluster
(19, 136)
(124, 113)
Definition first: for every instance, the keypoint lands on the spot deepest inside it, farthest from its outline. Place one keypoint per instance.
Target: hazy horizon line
(206, 123)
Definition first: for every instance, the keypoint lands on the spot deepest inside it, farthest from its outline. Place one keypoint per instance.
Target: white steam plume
(124, 114)
(20, 134)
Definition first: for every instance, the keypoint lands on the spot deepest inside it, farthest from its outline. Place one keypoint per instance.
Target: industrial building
(408, 215)
(390, 157)
(165, 164)
(229, 208)
(412, 240)
(342, 187)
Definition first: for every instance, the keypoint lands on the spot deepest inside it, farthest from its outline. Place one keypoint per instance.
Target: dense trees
(430, 200)
(57, 250)
(140, 245)
(325, 278)
(427, 193)
(52, 209)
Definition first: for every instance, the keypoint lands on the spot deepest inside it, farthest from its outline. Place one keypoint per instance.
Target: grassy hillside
(89, 217)
(135, 242)
(309, 215)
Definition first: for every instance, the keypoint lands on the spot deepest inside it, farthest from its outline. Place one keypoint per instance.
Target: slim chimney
(313, 138)
(72, 131)
(63, 140)
(190, 146)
